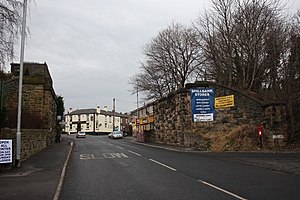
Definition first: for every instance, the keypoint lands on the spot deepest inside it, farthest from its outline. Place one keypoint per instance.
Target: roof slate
(93, 110)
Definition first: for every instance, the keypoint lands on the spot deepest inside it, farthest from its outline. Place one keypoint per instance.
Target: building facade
(142, 120)
(93, 121)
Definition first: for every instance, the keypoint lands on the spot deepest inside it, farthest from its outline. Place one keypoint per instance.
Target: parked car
(116, 134)
(109, 135)
(80, 134)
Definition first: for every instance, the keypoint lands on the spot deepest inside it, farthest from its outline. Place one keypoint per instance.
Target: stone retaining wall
(32, 142)
(173, 119)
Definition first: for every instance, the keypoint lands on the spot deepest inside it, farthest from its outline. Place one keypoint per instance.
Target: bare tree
(149, 81)
(235, 35)
(10, 24)
(249, 44)
(289, 79)
(215, 36)
(172, 59)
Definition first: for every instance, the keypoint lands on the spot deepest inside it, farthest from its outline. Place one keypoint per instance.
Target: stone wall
(32, 142)
(173, 119)
(38, 107)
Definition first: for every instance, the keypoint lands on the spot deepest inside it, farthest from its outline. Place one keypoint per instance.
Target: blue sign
(202, 102)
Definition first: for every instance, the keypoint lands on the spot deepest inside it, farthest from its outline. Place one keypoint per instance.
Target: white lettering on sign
(278, 137)
(103, 156)
(5, 151)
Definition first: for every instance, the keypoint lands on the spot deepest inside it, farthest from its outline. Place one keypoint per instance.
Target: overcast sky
(93, 47)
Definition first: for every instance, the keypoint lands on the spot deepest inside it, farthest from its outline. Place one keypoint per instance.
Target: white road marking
(134, 153)
(119, 147)
(222, 190)
(62, 176)
(103, 156)
(85, 156)
(120, 155)
(171, 168)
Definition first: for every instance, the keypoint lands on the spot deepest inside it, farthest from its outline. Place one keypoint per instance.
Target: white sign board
(278, 137)
(203, 117)
(5, 151)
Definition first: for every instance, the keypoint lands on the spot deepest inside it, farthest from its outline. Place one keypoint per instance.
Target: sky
(93, 47)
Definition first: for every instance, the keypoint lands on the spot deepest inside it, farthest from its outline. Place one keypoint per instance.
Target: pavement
(41, 176)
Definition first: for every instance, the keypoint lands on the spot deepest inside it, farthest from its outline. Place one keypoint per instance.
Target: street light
(18, 135)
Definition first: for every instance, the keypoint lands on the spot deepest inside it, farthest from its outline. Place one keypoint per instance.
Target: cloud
(93, 47)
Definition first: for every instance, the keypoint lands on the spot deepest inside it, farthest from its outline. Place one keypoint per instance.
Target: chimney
(105, 108)
(98, 109)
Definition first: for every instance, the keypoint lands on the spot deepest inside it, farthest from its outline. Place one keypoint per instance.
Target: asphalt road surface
(101, 168)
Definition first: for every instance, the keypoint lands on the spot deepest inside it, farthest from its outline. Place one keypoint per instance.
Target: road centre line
(119, 147)
(222, 190)
(134, 153)
(163, 165)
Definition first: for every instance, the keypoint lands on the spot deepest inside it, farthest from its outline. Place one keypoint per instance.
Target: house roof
(93, 110)
(82, 111)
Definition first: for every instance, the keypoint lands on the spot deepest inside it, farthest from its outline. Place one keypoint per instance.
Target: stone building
(38, 122)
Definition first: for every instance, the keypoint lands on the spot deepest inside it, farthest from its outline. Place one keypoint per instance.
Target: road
(101, 168)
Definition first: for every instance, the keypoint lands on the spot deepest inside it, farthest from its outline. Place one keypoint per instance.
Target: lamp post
(114, 101)
(18, 135)
(137, 110)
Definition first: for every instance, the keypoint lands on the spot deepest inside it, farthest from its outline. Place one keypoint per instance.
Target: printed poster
(5, 151)
(202, 103)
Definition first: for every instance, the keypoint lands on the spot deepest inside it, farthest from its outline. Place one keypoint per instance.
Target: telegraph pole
(137, 109)
(18, 135)
(114, 102)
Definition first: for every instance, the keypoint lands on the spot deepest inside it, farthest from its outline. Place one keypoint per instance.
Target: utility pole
(18, 135)
(114, 101)
(137, 109)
